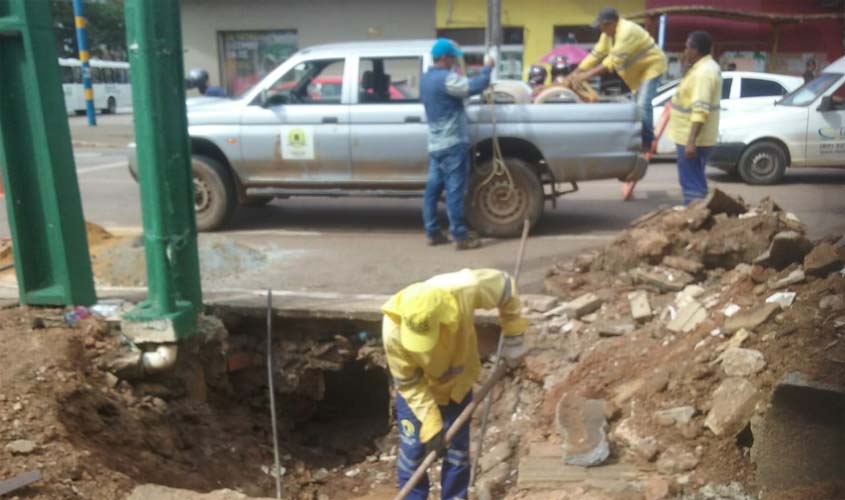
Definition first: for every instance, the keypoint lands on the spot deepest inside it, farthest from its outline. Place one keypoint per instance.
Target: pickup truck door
(388, 133)
(826, 130)
(299, 131)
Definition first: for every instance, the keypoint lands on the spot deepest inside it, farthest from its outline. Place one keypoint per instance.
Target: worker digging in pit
(432, 353)
(628, 50)
(694, 120)
(442, 91)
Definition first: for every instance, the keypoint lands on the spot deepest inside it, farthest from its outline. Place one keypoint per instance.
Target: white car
(806, 128)
(739, 90)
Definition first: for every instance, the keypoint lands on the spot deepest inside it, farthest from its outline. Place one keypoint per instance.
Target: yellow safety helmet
(423, 309)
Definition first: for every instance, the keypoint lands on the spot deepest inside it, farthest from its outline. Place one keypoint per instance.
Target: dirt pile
(711, 331)
(75, 407)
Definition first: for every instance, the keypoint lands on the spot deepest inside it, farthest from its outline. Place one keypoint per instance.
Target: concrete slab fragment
(536, 472)
(640, 306)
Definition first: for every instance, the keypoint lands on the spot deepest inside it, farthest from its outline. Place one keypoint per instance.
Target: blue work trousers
(691, 173)
(454, 479)
(645, 95)
(448, 170)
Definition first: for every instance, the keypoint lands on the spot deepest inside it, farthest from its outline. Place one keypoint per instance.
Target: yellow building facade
(540, 20)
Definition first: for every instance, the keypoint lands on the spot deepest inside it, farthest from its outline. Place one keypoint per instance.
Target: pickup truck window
(389, 80)
(312, 82)
(810, 91)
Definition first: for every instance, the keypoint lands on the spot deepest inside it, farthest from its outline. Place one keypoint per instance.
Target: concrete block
(688, 318)
(733, 406)
(583, 305)
(640, 306)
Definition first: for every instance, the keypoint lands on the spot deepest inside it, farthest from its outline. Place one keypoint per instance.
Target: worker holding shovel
(432, 353)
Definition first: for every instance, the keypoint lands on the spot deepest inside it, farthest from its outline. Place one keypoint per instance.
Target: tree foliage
(106, 28)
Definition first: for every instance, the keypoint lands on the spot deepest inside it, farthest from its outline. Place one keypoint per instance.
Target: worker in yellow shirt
(432, 353)
(694, 120)
(628, 50)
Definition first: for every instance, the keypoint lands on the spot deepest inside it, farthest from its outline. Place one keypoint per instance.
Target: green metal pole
(42, 194)
(154, 41)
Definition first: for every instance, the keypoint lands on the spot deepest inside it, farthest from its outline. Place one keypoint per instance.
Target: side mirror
(267, 100)
(826, 104)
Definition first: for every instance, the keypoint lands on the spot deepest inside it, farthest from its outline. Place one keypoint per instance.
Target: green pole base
(147, 324)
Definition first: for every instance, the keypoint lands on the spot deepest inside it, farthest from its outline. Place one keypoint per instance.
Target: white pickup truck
(806, 128)
(346, 120)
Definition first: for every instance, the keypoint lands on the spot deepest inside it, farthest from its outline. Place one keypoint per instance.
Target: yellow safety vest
(448, 371)
(697, 100)
(631, 53)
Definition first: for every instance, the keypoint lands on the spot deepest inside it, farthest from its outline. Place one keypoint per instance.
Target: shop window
(580, 34)
(247, 56)
(389, 80)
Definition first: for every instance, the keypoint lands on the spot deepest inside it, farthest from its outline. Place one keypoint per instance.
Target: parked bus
(110, 80)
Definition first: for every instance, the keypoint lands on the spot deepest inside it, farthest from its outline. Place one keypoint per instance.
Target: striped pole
(84, 56)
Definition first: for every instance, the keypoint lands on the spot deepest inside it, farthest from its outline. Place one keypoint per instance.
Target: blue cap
(444, 47)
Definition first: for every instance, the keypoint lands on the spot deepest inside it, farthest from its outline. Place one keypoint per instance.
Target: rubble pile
(692, 347)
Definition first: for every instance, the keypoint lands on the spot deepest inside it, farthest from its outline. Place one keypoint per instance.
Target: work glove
(436, 444)
(513, 350)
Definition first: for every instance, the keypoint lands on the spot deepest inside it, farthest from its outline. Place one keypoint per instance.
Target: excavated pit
(206, 424)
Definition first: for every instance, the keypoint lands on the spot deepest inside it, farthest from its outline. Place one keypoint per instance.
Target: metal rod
(276, 465)
(488, 403)
(462, 420)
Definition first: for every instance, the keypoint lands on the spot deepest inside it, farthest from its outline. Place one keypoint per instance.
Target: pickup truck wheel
(214, 193)
(762, 163)
(496, 209)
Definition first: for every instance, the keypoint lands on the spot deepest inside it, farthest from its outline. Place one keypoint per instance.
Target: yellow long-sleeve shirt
(697, 100)
(448, 371)
(631, 53)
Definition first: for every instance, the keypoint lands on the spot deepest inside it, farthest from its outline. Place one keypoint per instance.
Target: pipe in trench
(162, 359)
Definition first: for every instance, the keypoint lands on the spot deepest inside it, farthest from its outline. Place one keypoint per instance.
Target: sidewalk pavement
(112, 131)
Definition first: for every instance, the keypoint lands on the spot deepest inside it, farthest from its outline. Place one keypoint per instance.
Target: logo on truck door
(832, 133)
(297, 143)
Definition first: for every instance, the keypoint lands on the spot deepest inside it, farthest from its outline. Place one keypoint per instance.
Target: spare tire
(495, 208)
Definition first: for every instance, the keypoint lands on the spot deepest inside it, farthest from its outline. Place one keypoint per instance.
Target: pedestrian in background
(694, 120)
(809, 71)
(442, 91)
(431, 348)
(627, 49)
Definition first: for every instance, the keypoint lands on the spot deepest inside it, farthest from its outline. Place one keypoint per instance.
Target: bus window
(77, 74)
(67, 74)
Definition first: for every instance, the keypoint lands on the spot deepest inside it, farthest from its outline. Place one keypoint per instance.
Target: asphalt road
(377, 245)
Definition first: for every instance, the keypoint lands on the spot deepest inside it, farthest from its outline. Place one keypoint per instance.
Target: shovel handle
(462, 419)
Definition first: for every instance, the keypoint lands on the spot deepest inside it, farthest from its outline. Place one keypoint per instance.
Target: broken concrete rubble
(583, 305)
(788, 247)
(752, 318)
(662, 278)
(690, 266)
(793, 278)
(823, 260)
(675, 416)
(739, 362)
(640, 306)
(719, 202)
(688, 318)
(676, 460)
(733, 405)
(583, 426)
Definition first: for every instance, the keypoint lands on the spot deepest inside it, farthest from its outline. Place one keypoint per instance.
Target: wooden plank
(19, 481)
